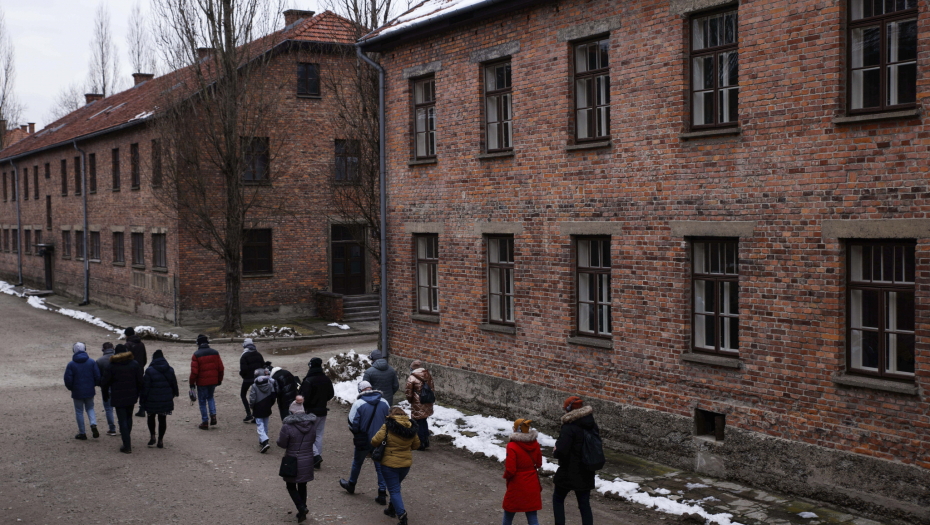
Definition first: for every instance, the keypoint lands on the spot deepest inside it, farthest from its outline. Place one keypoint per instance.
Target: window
(27, 241)
(592, 91)
(156, 164)
(138, 249)
(118, 253)
(79, 244)
(77, 176)
(66, 244)
(427, 247)
(35, 182)
(500, 280)
(48, 212)
(255, 155)
(882, 55)
(64, 177)
(308, 80)
(593, 269)
(424, 109)
(256, 252)
(115, 168)
(498, 106)
(25, 184)
(347, 155)
(134, 181)
(6, 240)
(4, 187)
(13, 188)
(715, 70)
(38, 241)
(92, 173)
(715, 278)
(48, 171)
(94, 246)
(880, 332)
(14, 241)
(159, 250)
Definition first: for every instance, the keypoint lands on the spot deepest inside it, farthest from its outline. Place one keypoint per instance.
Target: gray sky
(52, 42)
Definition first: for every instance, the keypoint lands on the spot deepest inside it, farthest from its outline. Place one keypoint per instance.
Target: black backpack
(592, 452)
(426, 394)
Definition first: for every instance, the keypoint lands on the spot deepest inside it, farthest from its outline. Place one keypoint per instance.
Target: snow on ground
(86, 317)
(37, 302)
(808, 515)
(341, 326)
(273, 331)
(489, 435)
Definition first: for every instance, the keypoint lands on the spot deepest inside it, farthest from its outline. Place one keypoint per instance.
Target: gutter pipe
(382, 180)
(19, 222)
(86, 235)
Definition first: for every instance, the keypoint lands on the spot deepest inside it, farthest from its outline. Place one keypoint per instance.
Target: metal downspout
(19, 222)
(86, 235)
(382, 145)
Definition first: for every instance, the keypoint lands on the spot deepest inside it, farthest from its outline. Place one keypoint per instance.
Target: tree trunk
(232, 314)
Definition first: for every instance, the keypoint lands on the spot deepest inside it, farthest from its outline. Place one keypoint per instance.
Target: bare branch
(10, 108)
(69, 99)
(139, 40)
(103, 75)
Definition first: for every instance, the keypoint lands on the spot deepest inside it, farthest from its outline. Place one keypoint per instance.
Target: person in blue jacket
(366, 418)
(82, 377)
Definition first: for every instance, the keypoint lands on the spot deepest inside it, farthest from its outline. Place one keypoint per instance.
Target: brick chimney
(204, 52)
(293, 15)
(24, 128)
(92, 97)
(139, 78)
(32, 128)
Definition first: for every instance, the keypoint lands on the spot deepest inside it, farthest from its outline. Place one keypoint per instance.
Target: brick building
(144, 262)
(709, 218)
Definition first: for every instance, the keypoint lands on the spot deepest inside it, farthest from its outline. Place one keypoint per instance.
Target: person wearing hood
(135, 345)
(287, 386)
(103, 363)
(521, 468)
(206, 374)
(82, 375)
(317, 390)
(419, 412)
(262, 397)
(250, 361)
(382, 377)
(159, 388)
(366, 416)
(123, 383)
(298, 432)
(572, 474)
(400, 438)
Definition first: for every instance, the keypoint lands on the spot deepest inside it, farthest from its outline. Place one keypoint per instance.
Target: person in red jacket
(520, 470)
(206, 375)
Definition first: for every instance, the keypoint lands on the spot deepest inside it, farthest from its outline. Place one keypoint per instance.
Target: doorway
(348, 262)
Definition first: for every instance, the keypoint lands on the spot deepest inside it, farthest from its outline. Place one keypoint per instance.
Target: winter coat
(123, 380)
(82, 375)
(383, 378)
(317, 390)
(159, 388)
(571, 474)
(523, 488)
(250, 361)
(206, 367)
(135, 345)
(368, 412)
(262, 396)
(298, 432)
(401, 438)
(103, 363)
(286, 385)
(414, 385)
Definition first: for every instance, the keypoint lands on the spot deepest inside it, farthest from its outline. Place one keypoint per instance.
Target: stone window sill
(116, 189)
(119, 264)
(876, 117)
(591, 341)
(311, 97)
(496, 155)
(66, 257)
(875, 383)
(714, 360)
(161, 270)
(135, 188)
(138, 266)
(251, 275)
(709, 133)
(589, 145)
(425, 318)
(421, 162)
(95, 261)
(498, 328)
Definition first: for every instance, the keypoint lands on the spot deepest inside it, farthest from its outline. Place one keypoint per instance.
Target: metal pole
(19, 221)
(86, 235)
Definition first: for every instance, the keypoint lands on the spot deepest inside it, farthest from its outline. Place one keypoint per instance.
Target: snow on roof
(424, 12)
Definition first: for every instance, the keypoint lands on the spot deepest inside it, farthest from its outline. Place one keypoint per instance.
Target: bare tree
(139, 40)
(70, 98)
(216, 129)
(10, 108)
(368, 13)
(103, 75)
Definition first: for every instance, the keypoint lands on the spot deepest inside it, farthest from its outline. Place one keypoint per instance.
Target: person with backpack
(250, 361)
(262, 397)
(103, 363)
(420, 395)
(134, 344)
(206, 374)
(298, 432)
(580, 455)
(521, 470)
(82, 375)
(122, 384)
(382, 376)
(399, 438)
(366, 416)
(159, 388)
(317, 390)
(287, 386)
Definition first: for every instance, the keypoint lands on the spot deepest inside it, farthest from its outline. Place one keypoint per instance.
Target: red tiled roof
(139, 102)
(14, 135)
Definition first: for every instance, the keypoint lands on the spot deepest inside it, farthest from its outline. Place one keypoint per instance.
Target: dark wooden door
(348, 263)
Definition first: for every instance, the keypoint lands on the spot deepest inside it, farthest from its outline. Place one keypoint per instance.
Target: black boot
(348, 485)
(317, 462)
(152, 441)
(389, 512)
(382, 498)
(302, 514)
(403, 519)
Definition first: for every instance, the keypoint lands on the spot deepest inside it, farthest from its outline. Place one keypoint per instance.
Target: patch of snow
(171, 335)
(347, 367)
(9, 289)
(273, 331)
(86, 317)
(37, 302)
(664, 492)
(143, 115)
(692, 486)
(808, 515)
(341, 326)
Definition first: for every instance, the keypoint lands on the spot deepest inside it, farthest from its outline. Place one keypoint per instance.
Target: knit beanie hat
(363, 386)
(78, 347)
(375, 355)
(572, 403)
(416, 364)
(316, 362)
(120, 349)
(247, 342)
(129, 332)
(158, 355)
(522, 425)
(202, 339)
(259, 372)
(296, 408)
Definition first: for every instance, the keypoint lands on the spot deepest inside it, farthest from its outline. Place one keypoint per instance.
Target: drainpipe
(382, 179)
(86, 235)
(19, 223)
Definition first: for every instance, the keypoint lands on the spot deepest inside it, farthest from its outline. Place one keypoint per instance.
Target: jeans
(80, 405)
(584, 505)
(298, 493)
(244, 395)
(394, 477)
(422, 431)
(318, 444)
(124, 416)
(162, 425)
(261, 423)
(108, 409)
(359, 460)
(205, 394)
(530, 518)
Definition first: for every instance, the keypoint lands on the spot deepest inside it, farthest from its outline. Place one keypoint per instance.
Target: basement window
(709, 425)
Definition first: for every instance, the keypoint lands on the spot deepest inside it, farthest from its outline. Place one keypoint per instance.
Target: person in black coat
(287, 386)
(572, 475)
(317, 390)
(159, 388)
(135, 345)
(250, 361)
(122, 384)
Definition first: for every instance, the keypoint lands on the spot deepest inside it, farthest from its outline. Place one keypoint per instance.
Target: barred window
(94, 246)
(119, 255)
(138, 249)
